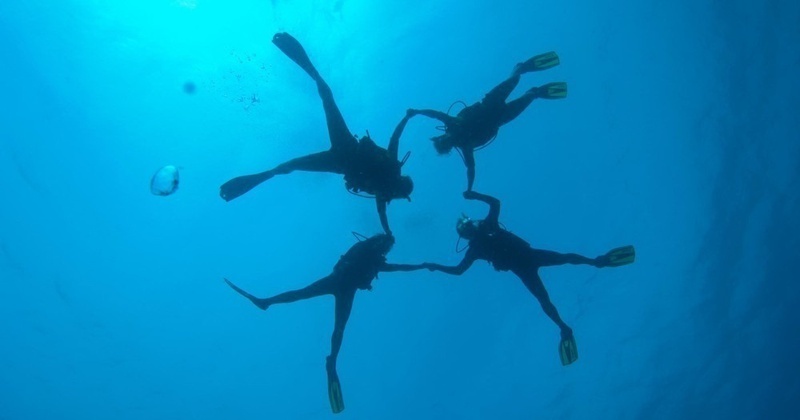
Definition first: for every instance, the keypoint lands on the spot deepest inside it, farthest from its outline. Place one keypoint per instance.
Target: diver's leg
(344, 304)
(515, 107)
(342, 139)
(500, 93)
(530, 278)
(315, 162)
(318, 288)
(324, 286)
(340, 135)
(544, 258)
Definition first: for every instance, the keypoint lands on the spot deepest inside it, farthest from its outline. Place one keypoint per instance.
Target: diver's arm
(381, 203)
(469, 160)
(432, 113)
(394, 142)
(456, 270)
(494, 204)
(402, 267)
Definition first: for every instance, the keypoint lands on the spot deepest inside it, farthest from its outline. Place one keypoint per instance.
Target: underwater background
(679, 136)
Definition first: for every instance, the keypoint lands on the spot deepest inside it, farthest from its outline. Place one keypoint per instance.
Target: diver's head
(402, 188)
(382, 243)
(466, 227)
(443, 144)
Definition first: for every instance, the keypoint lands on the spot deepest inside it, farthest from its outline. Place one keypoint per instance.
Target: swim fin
(261, 303)
(238, 186)
(539, 62)
(335, 393)
(295, 51)
(568, 350)
(623, 255)
(555, 90)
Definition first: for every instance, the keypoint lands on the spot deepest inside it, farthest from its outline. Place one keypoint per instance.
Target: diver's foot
(295, 51)
(330, 365)
(261, 303)
(566, 333)
(241, 184)
(601, 261)
(537, 63)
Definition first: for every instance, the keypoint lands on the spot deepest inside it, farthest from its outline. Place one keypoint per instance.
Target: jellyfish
(165, 181)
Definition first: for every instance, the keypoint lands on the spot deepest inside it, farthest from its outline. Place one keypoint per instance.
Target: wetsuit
(508, 252)
(366, 166)
(476, 125)
(354, 271)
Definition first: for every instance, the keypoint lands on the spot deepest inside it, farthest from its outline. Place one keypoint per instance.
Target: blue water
(679, 136)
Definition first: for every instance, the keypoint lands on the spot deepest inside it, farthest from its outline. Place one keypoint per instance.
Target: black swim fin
(295, 51)
(261, 303)
(238, 186)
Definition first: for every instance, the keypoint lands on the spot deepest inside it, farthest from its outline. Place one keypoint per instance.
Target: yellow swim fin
(335, 394)
(540, 62)
(555, 90)
(568, 351)
(623, 255)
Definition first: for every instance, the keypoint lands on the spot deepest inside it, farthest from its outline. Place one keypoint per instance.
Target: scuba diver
(355, 270)
(366, 167)
(508, 252)
(475, 126)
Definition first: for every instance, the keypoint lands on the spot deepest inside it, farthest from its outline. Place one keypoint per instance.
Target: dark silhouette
(508, 252)
(477, 125)
(355, 270)
(366, 167)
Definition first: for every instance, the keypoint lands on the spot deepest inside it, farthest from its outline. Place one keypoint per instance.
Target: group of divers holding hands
(370, 169)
